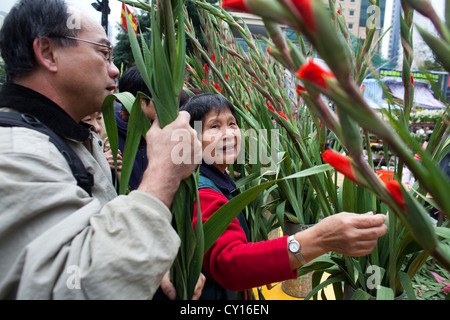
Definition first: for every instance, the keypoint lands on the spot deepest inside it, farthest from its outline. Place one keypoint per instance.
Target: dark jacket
(140, 162)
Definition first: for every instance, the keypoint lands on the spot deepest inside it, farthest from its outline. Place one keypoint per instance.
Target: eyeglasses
(108, 55)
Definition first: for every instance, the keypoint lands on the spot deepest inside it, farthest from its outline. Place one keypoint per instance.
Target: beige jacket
(56, 242)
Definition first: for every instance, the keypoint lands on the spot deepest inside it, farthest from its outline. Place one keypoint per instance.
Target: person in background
(96, 121)
(131, 81)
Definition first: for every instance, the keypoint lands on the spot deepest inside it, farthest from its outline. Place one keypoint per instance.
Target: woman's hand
(346, 233)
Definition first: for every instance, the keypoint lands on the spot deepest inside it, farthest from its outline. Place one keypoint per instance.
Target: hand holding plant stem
(162, 67)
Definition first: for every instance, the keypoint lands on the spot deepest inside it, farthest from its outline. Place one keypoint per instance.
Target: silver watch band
(298, 253)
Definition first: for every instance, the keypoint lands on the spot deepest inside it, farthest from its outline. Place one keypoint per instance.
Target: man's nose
(113, 71)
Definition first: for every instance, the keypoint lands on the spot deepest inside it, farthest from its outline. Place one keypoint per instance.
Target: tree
(123, 57)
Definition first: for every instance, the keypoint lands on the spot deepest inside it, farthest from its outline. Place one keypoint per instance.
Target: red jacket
(236, 264)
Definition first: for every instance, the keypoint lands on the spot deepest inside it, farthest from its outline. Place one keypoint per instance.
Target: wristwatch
(295, 248)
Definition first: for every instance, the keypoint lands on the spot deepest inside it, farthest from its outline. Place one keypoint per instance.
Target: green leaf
(127, 99)
(221, 219)
(384, 293)
(442, 232)
(140, 125)
(361, 295)
(407, 285)
(440, 48)
(327, 282)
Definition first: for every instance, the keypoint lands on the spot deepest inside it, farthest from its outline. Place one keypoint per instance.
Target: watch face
(294, 246)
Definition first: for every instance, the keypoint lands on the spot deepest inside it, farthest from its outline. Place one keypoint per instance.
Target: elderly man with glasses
(58, 241)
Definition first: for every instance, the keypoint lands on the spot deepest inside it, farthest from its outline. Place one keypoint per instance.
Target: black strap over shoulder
(84, 179)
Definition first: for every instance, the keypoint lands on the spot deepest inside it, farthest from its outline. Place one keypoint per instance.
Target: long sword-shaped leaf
(127, 99)
(140, 125)
(220, 220)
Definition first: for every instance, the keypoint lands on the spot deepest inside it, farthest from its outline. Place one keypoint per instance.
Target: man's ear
(44, 51)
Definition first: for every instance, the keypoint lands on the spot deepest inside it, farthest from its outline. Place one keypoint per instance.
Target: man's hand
(169, 290)
(173, 154)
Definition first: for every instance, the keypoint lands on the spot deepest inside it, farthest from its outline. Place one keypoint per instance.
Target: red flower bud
(213, 58)
(312, 72)
(304, 7)
(412, 79)
(396, 192)
(300, 89)
(206, 68)
(235, 4)
(226, 76)
(339, 162)
(282, 114)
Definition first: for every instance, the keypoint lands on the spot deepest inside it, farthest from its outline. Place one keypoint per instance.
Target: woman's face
(221, 138)
(95, 120)
(149, 109)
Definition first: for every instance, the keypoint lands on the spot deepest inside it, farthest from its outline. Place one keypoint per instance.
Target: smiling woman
(221, 137)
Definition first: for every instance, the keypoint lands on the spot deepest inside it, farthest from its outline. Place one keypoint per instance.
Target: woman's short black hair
(199, 105)
(26, 21)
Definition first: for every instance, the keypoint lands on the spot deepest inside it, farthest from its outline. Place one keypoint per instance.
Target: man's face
(85, 76)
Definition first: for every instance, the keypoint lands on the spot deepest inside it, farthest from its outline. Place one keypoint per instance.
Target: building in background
(356, 12)
(391, 42)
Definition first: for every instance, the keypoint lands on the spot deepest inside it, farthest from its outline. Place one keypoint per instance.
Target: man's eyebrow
(105, 42)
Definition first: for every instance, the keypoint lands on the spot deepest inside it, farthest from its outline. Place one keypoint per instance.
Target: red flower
(213, 58)
(314, 73)
(339, 12)
(235, 4)
(394, 188)
(204, 81)
(226, 76)
(300, 89)
(206, 68)
(304, 7)
(217, 87)
(340, 163)
(412, 79)
(270, 107)
(282, 114)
